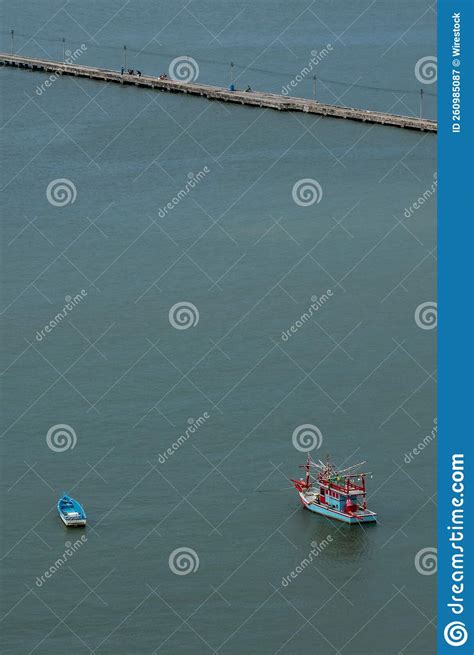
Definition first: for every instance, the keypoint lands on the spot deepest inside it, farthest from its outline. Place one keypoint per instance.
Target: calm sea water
(248, 258)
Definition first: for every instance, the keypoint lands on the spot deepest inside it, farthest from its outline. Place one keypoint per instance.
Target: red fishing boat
(339, 494)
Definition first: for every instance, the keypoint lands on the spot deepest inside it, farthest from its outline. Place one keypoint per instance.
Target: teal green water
(249, 259)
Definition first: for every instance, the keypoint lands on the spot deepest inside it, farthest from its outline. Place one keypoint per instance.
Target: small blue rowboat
(70, 511)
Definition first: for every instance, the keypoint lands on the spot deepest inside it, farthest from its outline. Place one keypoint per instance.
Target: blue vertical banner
(455, 327)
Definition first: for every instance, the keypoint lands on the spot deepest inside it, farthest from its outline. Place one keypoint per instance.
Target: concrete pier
(253, 98)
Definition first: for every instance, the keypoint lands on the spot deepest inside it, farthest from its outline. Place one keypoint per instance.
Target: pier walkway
(254, 98)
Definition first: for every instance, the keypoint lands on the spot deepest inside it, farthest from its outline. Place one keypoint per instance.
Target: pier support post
(125, 57)
(12, 34)
(421, 103)
(314, 87)
(64, 50)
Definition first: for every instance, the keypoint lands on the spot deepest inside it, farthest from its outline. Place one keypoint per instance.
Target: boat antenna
(352, 467)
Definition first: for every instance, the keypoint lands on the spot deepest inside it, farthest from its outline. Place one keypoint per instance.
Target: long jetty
(253, 98)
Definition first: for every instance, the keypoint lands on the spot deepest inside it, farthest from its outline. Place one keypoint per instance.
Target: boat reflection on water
(340, 542)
